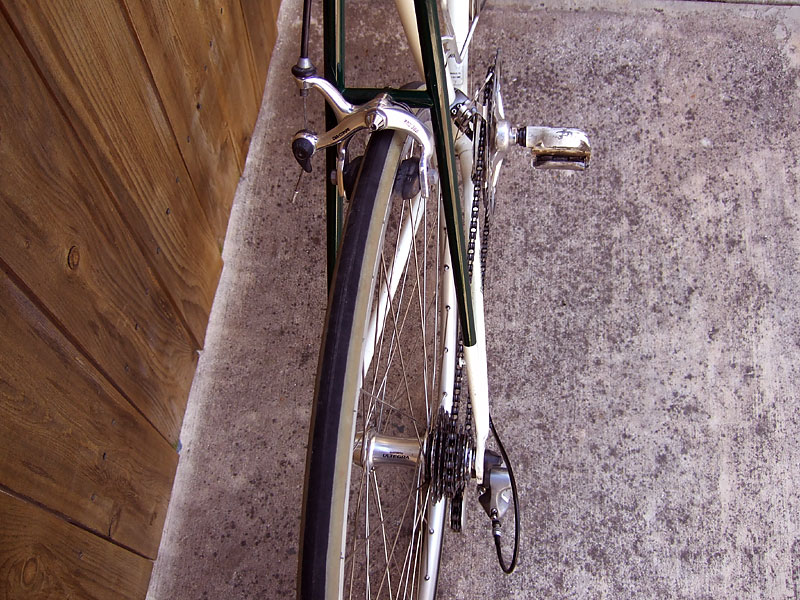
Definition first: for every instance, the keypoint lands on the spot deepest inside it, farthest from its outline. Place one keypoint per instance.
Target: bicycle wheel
(365, 527)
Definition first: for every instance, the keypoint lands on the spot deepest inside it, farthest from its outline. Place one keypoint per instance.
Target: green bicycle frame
(433, 97)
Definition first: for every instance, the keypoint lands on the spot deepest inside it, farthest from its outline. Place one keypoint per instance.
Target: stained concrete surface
(643, 317)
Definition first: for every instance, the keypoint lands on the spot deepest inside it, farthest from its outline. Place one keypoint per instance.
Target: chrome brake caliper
(380, 113)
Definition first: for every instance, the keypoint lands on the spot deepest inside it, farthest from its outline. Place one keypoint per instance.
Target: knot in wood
(73, 257)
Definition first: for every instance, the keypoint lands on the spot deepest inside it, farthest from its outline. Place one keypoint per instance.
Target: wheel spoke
(399, 388)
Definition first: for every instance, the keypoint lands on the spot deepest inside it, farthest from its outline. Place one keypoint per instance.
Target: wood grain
(232, 59)
(175, 37)
(69, 441)
(42, 556)
(261, 20)
(91, 60)
(63, 236)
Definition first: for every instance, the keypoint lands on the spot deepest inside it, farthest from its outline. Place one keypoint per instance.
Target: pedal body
(561, 148)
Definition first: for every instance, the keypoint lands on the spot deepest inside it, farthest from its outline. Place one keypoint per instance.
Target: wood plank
(69, 441)
(260, 18)
(42, 556)
(233, 61)
(91, 60)
(174, 37)
(64, 238)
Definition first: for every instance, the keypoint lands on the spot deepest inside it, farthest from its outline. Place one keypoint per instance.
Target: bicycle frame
(349, 110)
(410, 148)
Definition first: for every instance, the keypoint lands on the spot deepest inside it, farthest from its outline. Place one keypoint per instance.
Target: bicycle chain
(480, 189)
(488, 203)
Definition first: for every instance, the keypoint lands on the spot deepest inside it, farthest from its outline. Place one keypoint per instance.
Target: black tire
(350, 404)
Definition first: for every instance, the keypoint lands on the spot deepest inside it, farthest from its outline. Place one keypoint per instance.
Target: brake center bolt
(375, 120)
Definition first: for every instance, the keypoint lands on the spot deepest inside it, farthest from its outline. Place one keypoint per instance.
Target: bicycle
(402, 386)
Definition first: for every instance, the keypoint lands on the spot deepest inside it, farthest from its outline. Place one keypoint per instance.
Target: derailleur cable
(496, 525)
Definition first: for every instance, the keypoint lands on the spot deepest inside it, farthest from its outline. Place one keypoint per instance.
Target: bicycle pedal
(559, 148)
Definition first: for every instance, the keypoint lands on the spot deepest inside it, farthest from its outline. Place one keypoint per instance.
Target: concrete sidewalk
(644, 327)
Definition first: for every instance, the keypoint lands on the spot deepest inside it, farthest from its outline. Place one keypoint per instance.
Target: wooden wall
(124, 128)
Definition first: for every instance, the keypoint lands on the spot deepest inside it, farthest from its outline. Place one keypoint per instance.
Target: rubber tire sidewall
(328, 465)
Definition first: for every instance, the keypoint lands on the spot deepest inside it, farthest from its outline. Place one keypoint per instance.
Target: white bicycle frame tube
(475, 356)
(456, 22)
(408, 17)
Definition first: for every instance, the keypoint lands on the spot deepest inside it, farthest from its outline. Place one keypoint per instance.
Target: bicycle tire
(330, 566)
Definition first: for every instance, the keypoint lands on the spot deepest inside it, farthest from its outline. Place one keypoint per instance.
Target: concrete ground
(644, 328)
